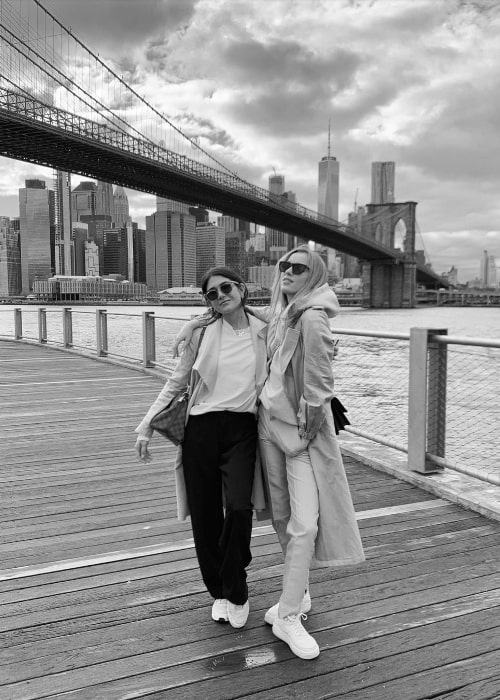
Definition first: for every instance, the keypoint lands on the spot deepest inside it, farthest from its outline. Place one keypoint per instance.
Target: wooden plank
(93, 605)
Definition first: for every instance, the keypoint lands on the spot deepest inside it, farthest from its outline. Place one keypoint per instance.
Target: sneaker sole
(298, 652)
(221, 620)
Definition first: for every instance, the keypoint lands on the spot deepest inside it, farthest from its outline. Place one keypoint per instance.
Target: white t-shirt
(235, 386)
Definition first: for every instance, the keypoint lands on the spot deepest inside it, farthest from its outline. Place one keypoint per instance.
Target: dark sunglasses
(297, 268)
(225, 288)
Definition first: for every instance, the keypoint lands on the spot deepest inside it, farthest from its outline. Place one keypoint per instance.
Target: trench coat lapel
(205, 365)
(288, 346)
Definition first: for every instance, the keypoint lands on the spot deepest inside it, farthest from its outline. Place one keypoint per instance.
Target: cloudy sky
(413, 81)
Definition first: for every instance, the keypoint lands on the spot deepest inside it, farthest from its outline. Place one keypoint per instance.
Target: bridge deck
(100, 595)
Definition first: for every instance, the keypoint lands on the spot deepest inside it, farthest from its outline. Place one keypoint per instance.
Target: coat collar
(207, 360)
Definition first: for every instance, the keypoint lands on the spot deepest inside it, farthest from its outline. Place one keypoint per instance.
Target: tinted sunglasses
(225, 288)
(297, 268)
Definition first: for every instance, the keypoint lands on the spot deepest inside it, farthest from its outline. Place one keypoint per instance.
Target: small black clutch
(339, 415)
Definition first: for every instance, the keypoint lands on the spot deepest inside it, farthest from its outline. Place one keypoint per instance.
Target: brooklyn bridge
(61, 106)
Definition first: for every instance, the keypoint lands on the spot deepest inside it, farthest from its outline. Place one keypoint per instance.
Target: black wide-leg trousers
(218, 455)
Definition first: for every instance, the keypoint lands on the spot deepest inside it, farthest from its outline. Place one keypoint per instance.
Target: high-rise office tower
(10, 258)
(170, 250)
(210, 248)
(121, 215)
(328, 198)
(139, 253)
(83, 200)
(164, 204)
(63, 231)
(488, 270)
(328, 184)
(37, 228)
(115, 252)
(383, 175)
(278, 242)
(199, 213)
(104, 199)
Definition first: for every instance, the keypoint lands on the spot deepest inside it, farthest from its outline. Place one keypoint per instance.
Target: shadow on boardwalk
(100, 595)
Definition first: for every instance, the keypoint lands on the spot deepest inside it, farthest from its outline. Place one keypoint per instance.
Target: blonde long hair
(317, 277)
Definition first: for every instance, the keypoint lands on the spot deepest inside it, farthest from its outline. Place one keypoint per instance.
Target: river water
(371, 374)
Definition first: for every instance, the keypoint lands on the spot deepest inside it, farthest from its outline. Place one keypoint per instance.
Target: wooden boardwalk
(100, 595)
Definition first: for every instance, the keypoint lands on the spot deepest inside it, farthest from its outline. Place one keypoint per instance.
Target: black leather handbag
(171, 420)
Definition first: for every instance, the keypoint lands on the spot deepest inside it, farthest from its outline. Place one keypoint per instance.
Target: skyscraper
(10, 258)
(210, 248)
(488, 270)
(37, 227)
(328, 184)
(83, 200)
(170, 250)
(121, 210)
(383, 175)
(63, 230)
(328, 198)
(104, 200)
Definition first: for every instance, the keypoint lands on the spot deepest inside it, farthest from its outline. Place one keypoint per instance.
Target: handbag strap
(204, 328)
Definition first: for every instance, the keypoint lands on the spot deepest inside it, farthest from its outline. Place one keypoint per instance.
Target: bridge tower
(390, 283)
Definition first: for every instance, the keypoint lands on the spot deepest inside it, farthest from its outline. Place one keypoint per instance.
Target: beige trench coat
(306, 356)
(202, 370)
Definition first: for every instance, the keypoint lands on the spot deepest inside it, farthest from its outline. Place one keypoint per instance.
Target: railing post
(42, 325)
(426, 399)
(101, 332)
(67, 328)
(18, 324)
(148, 338)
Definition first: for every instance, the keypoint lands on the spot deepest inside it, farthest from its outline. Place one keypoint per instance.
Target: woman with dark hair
(215, 465)
(312, 509)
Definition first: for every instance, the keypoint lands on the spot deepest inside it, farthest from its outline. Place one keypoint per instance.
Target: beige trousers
(294, 505)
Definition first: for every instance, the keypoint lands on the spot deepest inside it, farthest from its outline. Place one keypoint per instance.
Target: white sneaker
(291, 631)
(237, 614)
(305, 606)
(219, 610)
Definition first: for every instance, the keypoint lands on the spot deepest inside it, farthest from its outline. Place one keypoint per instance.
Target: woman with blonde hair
(310, 500)
(312, 509)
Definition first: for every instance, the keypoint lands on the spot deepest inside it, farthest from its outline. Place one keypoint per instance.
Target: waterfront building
(121, 210)
(10, 258)
(83, 200)
(170, 250)
(37, 233)
(488, 270)
(64, 257)
(262, 275)
(210, 248)
(383, 178)
(88, 289)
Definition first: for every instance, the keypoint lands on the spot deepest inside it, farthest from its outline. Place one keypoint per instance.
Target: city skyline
(262, 94)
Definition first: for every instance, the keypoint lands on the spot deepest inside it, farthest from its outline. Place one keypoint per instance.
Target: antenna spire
(329, 136)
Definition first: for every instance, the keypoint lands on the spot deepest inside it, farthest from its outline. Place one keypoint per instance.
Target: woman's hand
(142, 450)
(184, 335)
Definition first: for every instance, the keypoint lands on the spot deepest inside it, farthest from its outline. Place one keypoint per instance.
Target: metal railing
(426, 394)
